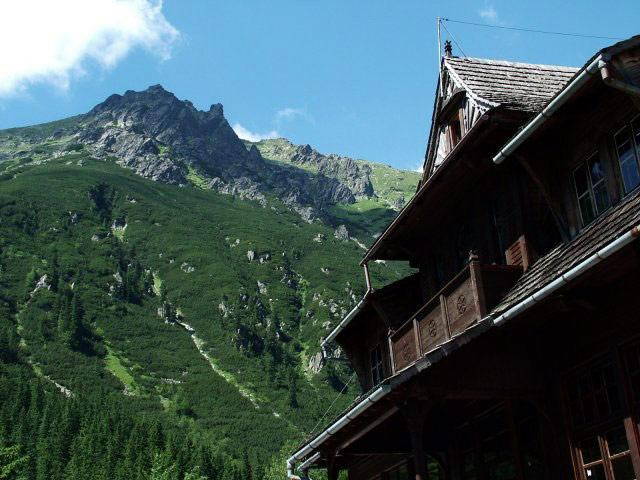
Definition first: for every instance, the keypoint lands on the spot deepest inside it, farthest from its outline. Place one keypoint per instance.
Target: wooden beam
(415, 416)
(368, 428)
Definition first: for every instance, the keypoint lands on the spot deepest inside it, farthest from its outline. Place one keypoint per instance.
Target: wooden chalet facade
(514, 351)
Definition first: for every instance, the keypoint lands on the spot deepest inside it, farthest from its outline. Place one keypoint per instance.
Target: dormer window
(455, 132)
(376, 361)
(628, 150)
(591, 189)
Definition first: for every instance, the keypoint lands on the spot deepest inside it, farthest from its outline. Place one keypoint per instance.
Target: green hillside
(132, 306)
(368, 216)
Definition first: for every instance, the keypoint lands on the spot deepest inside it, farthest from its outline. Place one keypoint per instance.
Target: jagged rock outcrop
(354, 175)
(166, 139)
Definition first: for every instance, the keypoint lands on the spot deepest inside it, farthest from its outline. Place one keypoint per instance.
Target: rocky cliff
(167, 139)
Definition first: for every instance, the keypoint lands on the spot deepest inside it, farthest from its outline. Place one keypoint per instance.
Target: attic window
(376, 363)
(455, 132)
(591, 189)
(628, 149)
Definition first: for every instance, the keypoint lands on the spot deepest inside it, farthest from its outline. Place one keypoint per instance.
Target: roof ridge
(514, 63)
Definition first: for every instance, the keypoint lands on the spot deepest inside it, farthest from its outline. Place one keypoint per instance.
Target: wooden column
(332, 470)
(415, 415)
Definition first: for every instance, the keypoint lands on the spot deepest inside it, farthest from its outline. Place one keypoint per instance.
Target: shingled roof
(517, 86)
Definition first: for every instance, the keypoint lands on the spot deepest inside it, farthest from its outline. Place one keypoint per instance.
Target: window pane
(623, 468)
(627, 159)
(582, 182)
(595, 169)
(601, 196)
(617, 441)
(586, 209)
(595, 472)
(590, 449)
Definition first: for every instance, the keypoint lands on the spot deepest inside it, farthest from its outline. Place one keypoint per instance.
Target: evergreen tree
(76, 327)
(246, 466)
(29, 284)
(293, 389)
(162, 468)
(55, 272)
(12, 463)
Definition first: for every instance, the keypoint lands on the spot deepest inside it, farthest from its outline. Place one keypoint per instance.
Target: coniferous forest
(153, 331)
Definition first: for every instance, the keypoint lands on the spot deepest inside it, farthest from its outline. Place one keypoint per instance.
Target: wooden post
(475, 273)
(332, 470)
(415, 416)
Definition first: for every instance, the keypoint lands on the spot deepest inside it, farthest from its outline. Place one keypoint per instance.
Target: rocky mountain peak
(167, 139)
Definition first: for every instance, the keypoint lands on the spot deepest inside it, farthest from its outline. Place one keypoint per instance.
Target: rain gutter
(559, 100)
(571, 275)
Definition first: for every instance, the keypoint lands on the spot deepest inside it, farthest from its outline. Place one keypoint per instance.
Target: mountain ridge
(191, 303)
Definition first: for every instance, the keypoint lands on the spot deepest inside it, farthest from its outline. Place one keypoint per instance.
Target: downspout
(367, 277)
(375, 396)
(345, 321)
(566, 278)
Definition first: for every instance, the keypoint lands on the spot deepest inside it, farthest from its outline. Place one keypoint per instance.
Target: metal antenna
(438, 20)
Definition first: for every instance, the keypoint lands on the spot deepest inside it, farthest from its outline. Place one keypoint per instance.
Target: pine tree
(293, 389)
(246, 466)
(55, 272)
(12, 463)
(76, 327)
(29, 284)
(162, 468)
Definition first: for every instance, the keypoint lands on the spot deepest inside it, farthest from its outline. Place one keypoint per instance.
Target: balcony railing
(461, 303)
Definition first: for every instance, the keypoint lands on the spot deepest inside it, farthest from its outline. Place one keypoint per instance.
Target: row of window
(589, 178)
(596, 404)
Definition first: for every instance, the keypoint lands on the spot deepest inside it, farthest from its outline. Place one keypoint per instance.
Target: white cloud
(419, 168)
(489, 13)
(55, 41)
(291, 113)
(253, 136)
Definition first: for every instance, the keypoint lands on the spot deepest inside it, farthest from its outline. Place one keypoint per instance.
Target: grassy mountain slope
(201, 307)
(369, 215)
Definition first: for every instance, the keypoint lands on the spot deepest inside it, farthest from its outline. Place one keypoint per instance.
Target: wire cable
(531, 30)
(332, 404)
(454, 39)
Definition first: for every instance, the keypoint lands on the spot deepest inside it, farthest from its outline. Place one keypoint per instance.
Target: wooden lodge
(514, 351)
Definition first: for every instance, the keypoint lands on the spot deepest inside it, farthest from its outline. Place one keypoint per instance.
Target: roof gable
(513, 85)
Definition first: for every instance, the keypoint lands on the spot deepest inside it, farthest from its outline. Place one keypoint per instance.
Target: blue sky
(350, 77)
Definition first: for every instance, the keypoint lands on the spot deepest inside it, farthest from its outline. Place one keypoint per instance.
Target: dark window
(600, 437)
(591, 189)
(455, 131)
(632, 357)
(594, 395)
(628, 149)
(606, 456)
(376, 361)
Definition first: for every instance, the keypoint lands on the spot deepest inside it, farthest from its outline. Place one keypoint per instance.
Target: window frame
(584, 163)
(377, 368)
(598, 428)
(635, 146)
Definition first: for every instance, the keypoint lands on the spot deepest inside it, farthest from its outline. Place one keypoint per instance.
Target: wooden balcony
(462, 302)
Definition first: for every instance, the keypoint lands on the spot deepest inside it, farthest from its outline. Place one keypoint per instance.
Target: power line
(332, 404)
(454, 39)
(531, 30)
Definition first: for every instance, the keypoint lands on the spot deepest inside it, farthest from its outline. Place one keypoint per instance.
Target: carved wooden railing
(461, 303)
